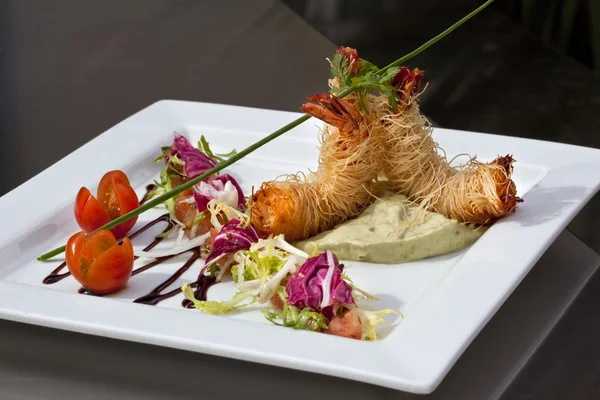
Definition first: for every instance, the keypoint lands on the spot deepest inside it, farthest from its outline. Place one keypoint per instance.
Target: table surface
(69, 70)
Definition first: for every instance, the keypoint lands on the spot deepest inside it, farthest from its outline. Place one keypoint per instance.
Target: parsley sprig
(370, 79)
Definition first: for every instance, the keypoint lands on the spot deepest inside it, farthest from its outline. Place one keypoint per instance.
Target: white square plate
(445, 300)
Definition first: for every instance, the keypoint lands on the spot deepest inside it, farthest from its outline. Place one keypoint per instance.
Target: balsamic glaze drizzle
(200, 287)
(83, 290)
(55, 275)
(155, 296)
(149, 189)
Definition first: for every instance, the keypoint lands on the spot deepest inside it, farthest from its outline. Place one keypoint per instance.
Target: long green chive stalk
(172, 193)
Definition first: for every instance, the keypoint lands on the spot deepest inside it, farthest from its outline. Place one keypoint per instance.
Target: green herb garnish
(204, 147)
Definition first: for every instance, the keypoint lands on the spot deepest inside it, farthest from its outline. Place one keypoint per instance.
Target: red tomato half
(107, 186)
(98, 262)
(115, 198)
(89, 212)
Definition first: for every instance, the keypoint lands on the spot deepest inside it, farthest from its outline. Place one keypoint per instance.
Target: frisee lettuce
(165, 151)
(175, 160)
(218, 307)
(166, 186)
(256, 267)
(273, 285)
(216, 209)
(272, 246)
(257, 276)
(293, 317)
(369, 320)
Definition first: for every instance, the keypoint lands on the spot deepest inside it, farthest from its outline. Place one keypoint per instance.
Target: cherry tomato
(89, 212)
(107, 189)
(98, 262)
(115, 198)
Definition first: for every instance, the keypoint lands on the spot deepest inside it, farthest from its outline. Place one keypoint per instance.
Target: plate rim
(162, 115)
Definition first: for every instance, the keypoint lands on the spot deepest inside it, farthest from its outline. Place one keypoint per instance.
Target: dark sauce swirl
(156, 295)
(148, 193)
(200, 287)
(56, 276)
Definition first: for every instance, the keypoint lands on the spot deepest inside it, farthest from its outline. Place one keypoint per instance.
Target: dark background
(71, 69)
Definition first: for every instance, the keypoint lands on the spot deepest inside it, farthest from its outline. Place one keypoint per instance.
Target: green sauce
(393, 230)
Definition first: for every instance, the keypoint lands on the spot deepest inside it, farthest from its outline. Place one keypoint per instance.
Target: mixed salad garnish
(298, 291)
(301, 292)
(183, 162)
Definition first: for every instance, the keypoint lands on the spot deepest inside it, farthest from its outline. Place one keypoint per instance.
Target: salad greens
(182, 162)
(319, 285)
(293, 317)
(195, 162)
(203, 146)
(371, 319)
(217, 307)
(232, 238)
(304, 292)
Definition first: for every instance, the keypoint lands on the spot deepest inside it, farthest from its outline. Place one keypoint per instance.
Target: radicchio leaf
(230, 239)
(195, 161)
(224, 188)
(318, 284)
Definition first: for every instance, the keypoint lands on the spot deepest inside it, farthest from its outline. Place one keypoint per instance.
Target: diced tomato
(277, 302)
(186, 211)
(177, 180)
(346, 325)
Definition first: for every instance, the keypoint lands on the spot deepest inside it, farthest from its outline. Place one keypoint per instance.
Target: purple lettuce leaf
(195, 162)
(318, 284)
(230, 239)
(207, 190)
